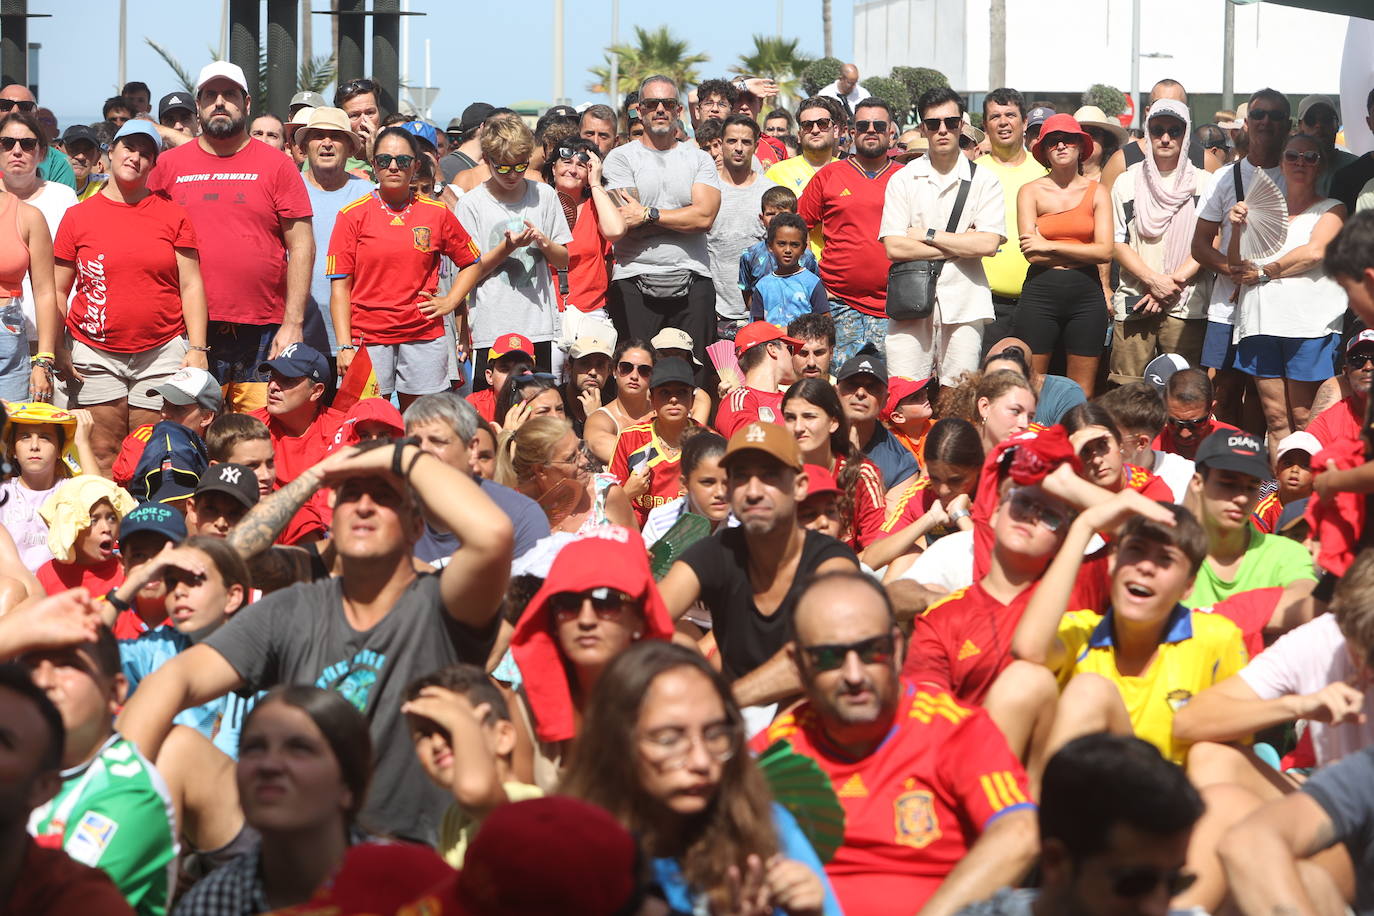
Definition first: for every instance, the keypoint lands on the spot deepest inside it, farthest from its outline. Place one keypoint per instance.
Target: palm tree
(778, 59)
(315, 72)
(826, 27)
(653, 52)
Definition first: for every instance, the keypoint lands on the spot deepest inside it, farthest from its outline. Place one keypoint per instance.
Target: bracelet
(116, 602)
(396, 451)
(958, 514)
(199, 349)
(410, 467)
(44, 355)
(347, 347)
(41, 362)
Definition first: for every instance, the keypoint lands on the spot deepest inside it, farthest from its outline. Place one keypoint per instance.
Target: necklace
(397, 218)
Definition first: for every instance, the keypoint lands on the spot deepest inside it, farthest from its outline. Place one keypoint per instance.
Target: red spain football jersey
(637, 444)
(744, 405)
(1267, 512)
(1147, 484)
(915, 502)
(848, 206)
(914, 806)
(869, 503)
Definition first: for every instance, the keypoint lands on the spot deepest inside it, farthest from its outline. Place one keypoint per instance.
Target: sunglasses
(1055, 139)
(818, 124)
(27, 144)
(1309, 156)
(358, 85)
(877, 127)
(625, 368)
(384, 161)
(876, 650)
(608, 603)
(666, 104)
(933, 124)
(1159, 130)
(1134, 883)
(1266, 114)
(518, 168)
(1359, 360)
(11, 104)
(966, 142)
(1025, 508)
(1189, 424)
(567, 154)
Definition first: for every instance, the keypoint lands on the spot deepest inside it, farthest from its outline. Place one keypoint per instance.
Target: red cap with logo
(761, 332)
(511, 343)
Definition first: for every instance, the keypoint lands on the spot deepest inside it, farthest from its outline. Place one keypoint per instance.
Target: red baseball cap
(898, 390)
(761, 332)
(511, 343)
(819, 480)
(375, 878)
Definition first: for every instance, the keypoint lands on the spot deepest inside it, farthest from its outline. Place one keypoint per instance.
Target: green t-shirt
(55, 167)
(114, 813)
(1270, 560)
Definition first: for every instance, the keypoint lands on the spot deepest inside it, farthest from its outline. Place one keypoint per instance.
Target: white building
(1067, 45)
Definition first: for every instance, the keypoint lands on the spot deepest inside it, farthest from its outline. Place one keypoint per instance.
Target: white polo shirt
(919, 196)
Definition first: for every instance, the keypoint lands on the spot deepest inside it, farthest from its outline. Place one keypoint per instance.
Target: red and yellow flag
(358, 383)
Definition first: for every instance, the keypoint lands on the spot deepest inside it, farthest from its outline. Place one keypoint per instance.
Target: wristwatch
(958, 514)
(651, 215)
(930, 236)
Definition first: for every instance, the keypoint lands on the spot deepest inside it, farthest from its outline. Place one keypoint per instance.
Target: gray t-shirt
(531, 525)
(736, 227)
(326, 206)
(661, 179)
(300, 635)
(518, 296)
(1345, 791)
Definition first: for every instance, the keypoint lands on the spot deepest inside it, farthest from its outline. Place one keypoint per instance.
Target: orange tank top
(1076, 225)
(14, 254)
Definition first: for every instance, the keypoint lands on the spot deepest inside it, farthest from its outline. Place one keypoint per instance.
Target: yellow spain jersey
(1196, 651)
(795, 173)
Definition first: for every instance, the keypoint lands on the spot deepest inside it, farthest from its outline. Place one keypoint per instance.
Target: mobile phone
(1133, 305)
(640, 459)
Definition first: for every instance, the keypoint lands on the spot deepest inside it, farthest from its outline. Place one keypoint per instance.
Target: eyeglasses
(518, 168)
(876, 650)
(670, 748)
(818, 124)
(933, 124)
(1263, 114)
(1026, 508)
(1197, 423)
(1159, 130)
(1307, 156)
(11, 104)
(608, 603)
(1359, 360)
(27, 144)
(567, 154)
(877, 127)
(1055, 139)
(625, 368)
(384, 161)
(1133, 883)
(666, 104)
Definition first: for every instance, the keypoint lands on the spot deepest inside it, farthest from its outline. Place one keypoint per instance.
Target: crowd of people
(697, 507)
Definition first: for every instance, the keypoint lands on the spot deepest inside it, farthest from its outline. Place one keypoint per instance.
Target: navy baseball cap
(156, 518)
(80, 133)
(1234, 450)
(300, 361)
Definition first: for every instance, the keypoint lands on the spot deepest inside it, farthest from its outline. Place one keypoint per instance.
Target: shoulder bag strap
(1240, 188)
(959, 201)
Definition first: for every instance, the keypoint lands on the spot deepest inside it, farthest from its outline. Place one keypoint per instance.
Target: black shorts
(1062, 306)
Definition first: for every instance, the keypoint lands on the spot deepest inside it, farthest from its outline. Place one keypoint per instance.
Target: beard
(223, 126)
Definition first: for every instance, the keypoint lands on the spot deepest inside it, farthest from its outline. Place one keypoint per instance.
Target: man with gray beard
(252, 216)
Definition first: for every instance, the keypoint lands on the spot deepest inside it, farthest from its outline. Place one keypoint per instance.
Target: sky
(475, 50)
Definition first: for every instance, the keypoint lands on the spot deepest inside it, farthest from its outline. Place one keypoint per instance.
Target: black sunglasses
(1050, 141)
(1189, 424)
(567, 153)
(1359, 360)
(625, 367)
(27, 144)
(951, 123)
(818, 124)
(608, 603)
(967, 142)
(877, 127)
(651, 104)
(1263, 114)
(876, 650)
(358, 85)
(1134, 883)
(1159, 130)
(384, 160)
(11, 104)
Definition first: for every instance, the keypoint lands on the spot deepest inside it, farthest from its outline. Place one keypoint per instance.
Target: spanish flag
(358, 383)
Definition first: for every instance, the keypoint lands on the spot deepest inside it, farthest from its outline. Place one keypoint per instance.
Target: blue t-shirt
(1058, 395)
(326, 206)
(892, 458)
(778, 299)
(531, 525)
(220, 720)
(758, 262)
(792, 844)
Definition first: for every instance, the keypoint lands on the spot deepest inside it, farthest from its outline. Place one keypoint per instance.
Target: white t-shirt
(52, 201)
(1174, 470)
(1215, 207)
(947, 563)
(1303, 662)
(1306, 305)
(855, 96)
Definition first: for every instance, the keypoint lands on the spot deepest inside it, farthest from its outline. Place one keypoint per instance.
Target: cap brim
(732, 454)
(214, 486)
(1253, 465)
(173, 394)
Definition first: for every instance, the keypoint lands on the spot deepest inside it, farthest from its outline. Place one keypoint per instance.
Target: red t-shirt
(485, 402)
(1265, 518)
(870, 508)
(128, 288)
(237, 205)
(665, 478)
(52, 883)
(393, 256)
(916, 805)
(848, 205)
(915, 502)
(588, 278)
(130, 451)
(1342, 420)
(97, 579)
(1251, 611)
(295, 454)
(1147, 484)
(744, 405)
(1166, 441)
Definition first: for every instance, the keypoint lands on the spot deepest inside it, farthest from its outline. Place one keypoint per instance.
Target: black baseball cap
(300, 361)
(80, 133)
(560, 111)
(237, 480)
(174, 100)
(473, 115)
(866, 361)
(1234, 450)
(670, 371)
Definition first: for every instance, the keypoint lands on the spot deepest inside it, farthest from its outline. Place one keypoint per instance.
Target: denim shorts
(14, 353)
(1302, 359)
(1218, 352)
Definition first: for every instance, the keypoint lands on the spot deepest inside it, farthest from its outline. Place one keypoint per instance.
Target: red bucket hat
(1062, 124)
(609, 557)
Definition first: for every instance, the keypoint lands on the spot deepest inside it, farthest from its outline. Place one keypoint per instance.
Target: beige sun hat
(1092, 116)
(323, 119)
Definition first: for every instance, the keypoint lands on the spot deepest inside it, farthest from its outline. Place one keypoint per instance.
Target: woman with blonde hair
(545, 460)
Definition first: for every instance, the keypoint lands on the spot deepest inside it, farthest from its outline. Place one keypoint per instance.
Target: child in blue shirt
(789, 291)
(757, 261)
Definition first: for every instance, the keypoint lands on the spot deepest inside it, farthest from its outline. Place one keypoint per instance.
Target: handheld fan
(1266, 220)
(685, 532)
(722, 356)
(801, 787)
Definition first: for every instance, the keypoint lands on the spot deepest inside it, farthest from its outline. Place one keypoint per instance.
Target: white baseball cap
(674, 339)
(218, 69)
(1299, 441)
(190, 385)
(588, 344)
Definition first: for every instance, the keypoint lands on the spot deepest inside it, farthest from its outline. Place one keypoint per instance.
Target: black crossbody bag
(911, 284)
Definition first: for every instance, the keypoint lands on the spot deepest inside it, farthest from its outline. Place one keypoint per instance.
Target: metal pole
(615, 58)
(1137, 118)
(429, 82)
(405, 46)
(245, 33)
(386, 34)
(123, 42)
(557, 51)
(282, 55)
(352, 37)
(1228, 58)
